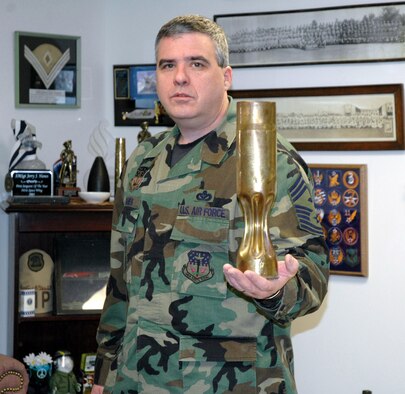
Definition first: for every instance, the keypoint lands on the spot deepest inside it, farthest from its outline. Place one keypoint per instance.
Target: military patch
(307, 219)
(334, 179)
(205, 195)
(352, 257)
(334, 235)
(350, 198)
(334, 198)
(207, 212)
(320, 196)
(318, 177)
(350, 215)
(336, 255)
(137, 180)
(334, 217)
(351, 236)
(304, 208)
(351, 179)
(198, 268)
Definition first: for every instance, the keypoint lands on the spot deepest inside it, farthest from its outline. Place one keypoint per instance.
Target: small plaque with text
(32, 183)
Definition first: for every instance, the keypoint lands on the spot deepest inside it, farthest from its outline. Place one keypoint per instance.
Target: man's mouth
(180, 95)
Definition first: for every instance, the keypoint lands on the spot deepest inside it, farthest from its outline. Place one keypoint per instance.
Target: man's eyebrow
(163, 61)
(198, 58)
(189, 58)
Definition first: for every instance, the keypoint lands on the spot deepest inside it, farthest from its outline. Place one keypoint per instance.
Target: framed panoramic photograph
(48, 70)
(367, 117)
(135, 96)
(359, 33)
(341, 204)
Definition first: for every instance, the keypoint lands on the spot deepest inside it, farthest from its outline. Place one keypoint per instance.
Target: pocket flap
(217, 349)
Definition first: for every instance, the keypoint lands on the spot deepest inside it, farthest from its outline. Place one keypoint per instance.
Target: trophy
(256, 184)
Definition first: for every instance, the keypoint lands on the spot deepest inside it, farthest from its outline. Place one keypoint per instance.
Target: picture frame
(82, 266)
(135, 96)
(365, 117)
(121, 84)
(341, 203)
(342, 34)
(48, 70)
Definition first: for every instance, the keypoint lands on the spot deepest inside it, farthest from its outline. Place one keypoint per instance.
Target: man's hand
(257, 286)
(96, 389)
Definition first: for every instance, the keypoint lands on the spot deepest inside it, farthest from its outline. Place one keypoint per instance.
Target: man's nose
(181, 76)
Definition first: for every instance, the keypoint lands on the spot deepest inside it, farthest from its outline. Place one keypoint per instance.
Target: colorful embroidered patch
(198, 268)
(137, 180)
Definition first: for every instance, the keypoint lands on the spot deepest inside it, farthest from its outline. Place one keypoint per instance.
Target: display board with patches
(47, 70)
(341, 202)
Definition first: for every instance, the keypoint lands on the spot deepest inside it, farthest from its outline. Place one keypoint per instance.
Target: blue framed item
(135, 96)
(143, 86)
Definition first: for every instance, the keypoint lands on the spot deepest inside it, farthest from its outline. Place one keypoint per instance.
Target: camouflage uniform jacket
(170, 323)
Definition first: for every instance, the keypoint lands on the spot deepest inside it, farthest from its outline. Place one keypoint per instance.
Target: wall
(54, 126)
(355, 341)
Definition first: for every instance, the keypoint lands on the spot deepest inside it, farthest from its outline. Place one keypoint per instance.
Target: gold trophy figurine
(256, 184)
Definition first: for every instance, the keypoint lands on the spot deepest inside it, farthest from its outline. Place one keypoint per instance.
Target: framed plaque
(31, 183)
(47, 70)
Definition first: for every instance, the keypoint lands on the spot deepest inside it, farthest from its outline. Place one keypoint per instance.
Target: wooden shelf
(37, 226)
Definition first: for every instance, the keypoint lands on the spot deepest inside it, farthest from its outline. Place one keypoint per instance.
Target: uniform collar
(214, 148)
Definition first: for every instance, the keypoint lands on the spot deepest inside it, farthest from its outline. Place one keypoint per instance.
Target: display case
(45, 227)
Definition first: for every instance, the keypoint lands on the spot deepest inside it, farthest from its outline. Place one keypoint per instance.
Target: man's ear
(227, 77)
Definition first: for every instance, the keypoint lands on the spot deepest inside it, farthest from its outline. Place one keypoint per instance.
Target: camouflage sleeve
(113, 318)
(300, 234)
(112, 321)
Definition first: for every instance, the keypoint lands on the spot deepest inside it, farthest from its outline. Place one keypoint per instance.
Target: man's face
(190, 84)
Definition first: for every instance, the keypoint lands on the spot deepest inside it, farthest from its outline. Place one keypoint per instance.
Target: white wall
(53, 126)
(356, 340)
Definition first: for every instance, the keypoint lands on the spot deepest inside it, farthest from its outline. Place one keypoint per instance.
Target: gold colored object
(12, 389)
(120, 157)
(256, 184)
(144, 133)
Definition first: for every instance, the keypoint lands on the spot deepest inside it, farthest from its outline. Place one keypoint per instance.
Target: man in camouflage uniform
(179, 317)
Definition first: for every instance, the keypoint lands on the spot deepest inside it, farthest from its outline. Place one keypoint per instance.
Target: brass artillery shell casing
(256, 184)
(120, 157)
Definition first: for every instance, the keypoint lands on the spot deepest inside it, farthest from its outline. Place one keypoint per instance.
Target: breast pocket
(200, 253)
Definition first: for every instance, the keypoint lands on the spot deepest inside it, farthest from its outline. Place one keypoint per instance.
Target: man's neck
(190, 133)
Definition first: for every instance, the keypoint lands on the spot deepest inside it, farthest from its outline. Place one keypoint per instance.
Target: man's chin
(181, 116)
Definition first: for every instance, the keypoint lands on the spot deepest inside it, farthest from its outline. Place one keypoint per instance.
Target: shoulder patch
(304, 207)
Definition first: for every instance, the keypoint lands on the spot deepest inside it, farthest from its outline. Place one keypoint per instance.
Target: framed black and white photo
(358, 33)
(365, 117)
(48, 71)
